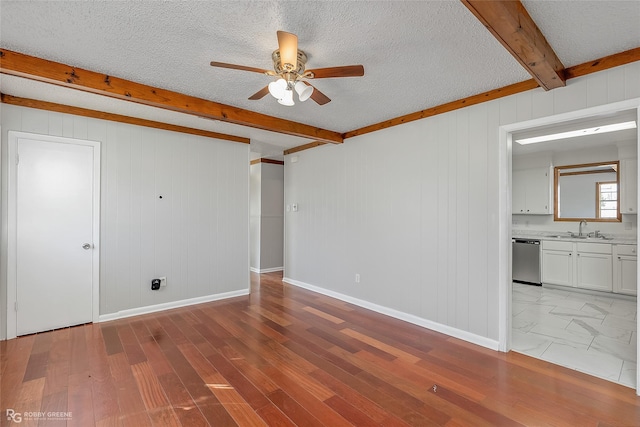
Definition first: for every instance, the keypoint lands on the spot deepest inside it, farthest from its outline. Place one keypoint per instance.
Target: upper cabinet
(531, 192)
(629, 186)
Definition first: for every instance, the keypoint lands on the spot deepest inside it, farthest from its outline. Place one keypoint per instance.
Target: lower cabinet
(625, 272)
(557, 267)
(597, 266)
(595, 271)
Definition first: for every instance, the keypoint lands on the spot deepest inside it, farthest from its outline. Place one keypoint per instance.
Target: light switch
(294, 207)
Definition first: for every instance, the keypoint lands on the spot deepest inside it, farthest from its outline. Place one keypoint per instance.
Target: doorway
(506, 149)
(53, 224)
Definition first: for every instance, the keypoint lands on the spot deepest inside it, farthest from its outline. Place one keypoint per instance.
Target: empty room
(319, 213)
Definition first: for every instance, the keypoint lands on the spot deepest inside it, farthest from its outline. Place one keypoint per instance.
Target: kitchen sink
(566, 236)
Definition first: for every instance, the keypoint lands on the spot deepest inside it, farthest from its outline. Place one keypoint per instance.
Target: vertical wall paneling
(495, 154)
(616, 85)
(442, 206)
(632, 81)
(429, 202)
(463, 219)
(272, 216)
(460, 192)
(571, 97)
(596, 89)
(254, 214)
(196, 235)
(478, 221)
(524, 106)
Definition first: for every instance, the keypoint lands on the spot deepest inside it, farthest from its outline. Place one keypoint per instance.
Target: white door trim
(505, 158)
(14, 136)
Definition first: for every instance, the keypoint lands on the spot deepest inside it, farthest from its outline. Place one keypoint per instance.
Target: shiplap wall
(272, 217)
(197, 235)
(267, 217)
(413, 209)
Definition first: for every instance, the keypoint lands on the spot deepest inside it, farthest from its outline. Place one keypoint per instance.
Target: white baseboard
(266, 270)
(169, 305)
(425, 323)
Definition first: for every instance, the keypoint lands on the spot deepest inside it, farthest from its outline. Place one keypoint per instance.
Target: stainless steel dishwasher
(525, 267)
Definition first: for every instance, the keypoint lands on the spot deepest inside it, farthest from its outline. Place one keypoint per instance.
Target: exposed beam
(77, 111)
(601, 64)
(18, 64)
(450, 106)
(511, 24)
(580, 70)
(265, 160)
(303, 147)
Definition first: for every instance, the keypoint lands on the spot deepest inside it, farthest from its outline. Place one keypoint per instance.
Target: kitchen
(574, 232)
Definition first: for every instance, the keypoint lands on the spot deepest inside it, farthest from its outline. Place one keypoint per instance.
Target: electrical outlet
(163, 281)
(357, 278)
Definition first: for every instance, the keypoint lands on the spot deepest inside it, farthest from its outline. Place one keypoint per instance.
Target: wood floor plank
(293, 410)
(129, 398)
(285, 356)
(141, 419)
(149, 387)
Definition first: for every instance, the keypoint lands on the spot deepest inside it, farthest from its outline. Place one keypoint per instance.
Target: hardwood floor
(285, 356)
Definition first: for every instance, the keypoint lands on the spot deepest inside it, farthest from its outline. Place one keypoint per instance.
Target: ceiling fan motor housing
(282, 69)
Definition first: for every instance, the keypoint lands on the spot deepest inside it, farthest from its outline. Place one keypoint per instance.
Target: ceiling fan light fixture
(304, 91)
(278, 88)
(287, 98)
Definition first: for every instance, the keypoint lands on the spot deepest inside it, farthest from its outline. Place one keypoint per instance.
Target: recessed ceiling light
(575, 133)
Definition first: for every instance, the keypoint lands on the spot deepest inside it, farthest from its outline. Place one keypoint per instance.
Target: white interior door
(55, 199)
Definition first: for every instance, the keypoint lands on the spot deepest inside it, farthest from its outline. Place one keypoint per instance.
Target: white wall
(197, 235)
(255, 199)
(267, 217)
(272, 217)
(414, 209)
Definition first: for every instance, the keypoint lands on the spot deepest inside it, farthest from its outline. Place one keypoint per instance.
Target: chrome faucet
(580, 227)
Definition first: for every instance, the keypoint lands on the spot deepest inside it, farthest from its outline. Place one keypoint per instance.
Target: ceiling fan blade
(319, 97)
(288, 45)
(346, 71)
(239, 67)
(259, 94)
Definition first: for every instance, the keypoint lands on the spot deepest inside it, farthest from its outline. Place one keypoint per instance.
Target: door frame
(505, 214)
(14, 137)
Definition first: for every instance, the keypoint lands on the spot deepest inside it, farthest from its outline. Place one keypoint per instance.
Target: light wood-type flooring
(285, 356)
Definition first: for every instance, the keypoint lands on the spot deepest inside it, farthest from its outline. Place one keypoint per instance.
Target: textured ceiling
(416, 54)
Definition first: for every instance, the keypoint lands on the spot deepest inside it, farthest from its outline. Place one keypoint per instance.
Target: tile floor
(595, 334)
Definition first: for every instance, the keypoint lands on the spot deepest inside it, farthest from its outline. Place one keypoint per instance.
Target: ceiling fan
(289, 66)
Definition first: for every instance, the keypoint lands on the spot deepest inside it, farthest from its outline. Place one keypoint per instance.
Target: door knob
(86, 246)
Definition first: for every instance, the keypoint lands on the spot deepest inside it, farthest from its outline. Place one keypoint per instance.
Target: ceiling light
(575, 133)
(287, 98)
(277, 88)
(304, 91)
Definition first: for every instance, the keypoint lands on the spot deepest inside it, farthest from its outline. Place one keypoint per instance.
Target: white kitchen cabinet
(557, 263)
(629, 186)
(594, 266)
(531, 192)
(625, 272)
(594, 272)
(583, 265)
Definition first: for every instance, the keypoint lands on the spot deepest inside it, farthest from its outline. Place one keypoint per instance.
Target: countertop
(564, 236)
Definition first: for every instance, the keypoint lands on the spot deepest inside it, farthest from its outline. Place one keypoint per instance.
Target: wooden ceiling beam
(601, 64)
(84, 112)
(512, 26)
(21, 65)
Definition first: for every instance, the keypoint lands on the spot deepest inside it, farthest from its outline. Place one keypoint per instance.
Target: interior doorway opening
(507, 134)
